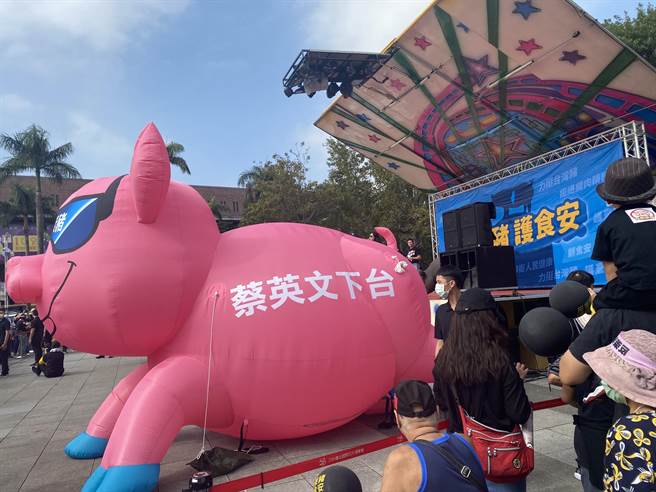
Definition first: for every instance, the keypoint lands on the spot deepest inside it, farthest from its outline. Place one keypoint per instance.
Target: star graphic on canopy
(422, 42)
(374, 138)
(528, 46)
(342, 125)
(479, 70)
(463, 27)
(572, 56)
(363, 117)
(525, 9)
(397, 84)
(514, 149)
(393, 165)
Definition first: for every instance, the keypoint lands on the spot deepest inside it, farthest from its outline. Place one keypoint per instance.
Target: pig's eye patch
(78, 220)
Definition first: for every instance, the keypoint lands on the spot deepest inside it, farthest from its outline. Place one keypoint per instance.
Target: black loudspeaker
(475, 226)
(486, 267)
(451, 225)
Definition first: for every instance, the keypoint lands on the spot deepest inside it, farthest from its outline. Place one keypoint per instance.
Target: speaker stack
(469, 245)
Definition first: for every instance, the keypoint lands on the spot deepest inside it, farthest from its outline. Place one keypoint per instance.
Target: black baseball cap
(337, 478)
(411, 394)
(475, 299)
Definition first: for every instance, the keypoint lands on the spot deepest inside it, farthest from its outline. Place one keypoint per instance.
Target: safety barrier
(259, 479)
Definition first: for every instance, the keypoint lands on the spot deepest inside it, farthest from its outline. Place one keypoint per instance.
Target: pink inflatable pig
(299, 328)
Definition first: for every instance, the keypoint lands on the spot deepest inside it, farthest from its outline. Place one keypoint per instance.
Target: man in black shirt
(5, 335)
(52, 364)
(414, 254)
(36, 335)
(625, 240)
(448, 282)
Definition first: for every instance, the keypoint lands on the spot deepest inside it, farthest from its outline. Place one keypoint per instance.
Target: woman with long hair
(474, 371)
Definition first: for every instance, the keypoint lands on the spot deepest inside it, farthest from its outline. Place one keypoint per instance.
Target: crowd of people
(25, 336)
(608, 373)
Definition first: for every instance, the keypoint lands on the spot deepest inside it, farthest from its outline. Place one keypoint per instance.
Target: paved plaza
(38, 416)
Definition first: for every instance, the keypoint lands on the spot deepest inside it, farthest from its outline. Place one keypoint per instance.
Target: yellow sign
(18, 244)
(33, 243)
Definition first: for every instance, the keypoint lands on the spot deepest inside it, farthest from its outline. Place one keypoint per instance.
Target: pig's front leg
(170, 395)
(92, 443)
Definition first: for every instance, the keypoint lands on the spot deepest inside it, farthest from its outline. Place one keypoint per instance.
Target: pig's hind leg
(170, 396)
(92, 443)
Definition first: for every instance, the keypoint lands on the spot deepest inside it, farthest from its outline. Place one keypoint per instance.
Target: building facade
(17, 239)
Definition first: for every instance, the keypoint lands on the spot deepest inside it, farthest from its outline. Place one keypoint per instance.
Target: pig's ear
(150, 174)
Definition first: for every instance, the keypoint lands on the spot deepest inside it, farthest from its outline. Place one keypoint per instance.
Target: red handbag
(505, 456)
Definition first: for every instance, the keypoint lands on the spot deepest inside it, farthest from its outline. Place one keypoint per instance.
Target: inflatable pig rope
(299, 328)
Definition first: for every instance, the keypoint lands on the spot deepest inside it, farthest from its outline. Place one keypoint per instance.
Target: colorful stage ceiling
(474, 86)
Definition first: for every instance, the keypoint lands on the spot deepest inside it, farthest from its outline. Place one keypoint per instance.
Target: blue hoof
(131, 478)
(86, 447)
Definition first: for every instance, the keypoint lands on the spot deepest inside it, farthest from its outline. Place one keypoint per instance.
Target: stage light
(288, 92)
(315, 84)
(346, 88)
(333, 89)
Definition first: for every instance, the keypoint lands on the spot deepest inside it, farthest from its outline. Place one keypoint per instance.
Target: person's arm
(5, 342)
(611, 270)
(568, 395)
(516, 404)
(599, 331)
(401, 471)
(572, 370)
(438, 346)
(32, 330)
(554, 379)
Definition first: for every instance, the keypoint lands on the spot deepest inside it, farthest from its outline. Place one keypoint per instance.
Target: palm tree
(30, 152)
(175, 149)
(217, 209)
(250, 179)
(23, 204)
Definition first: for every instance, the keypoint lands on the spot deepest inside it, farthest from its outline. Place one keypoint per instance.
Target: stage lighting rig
(331, 71)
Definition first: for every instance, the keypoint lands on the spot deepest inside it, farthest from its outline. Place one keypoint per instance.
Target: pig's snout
(23, 278)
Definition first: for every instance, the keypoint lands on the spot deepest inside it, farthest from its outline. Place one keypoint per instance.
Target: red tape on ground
(260, 479)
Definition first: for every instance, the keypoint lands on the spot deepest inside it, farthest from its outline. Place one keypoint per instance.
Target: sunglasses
(78, 219)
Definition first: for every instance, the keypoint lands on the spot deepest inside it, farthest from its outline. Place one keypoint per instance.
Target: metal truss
(631, 134)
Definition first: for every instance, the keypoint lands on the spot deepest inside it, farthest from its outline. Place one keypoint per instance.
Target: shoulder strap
(463, 470)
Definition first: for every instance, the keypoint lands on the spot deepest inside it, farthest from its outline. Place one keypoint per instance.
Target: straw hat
(628, 365)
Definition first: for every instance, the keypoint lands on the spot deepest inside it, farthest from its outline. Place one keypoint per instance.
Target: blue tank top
(438, 475)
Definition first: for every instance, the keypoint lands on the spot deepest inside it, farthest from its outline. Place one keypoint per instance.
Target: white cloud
(101, 25)
(13, 103)
(358, 25)
(98, 150)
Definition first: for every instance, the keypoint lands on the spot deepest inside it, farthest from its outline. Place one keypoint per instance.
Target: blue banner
(549, 214)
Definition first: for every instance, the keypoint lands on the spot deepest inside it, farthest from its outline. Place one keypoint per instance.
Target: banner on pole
(549, 214)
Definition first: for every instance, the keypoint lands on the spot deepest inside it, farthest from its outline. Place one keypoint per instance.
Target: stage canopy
(475, 86)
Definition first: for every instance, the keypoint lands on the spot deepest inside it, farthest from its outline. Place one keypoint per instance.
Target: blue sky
(207, 73)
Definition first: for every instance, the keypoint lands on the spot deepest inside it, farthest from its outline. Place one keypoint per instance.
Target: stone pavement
(38, 416)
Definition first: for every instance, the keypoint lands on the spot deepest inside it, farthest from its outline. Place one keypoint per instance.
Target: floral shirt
(630, 454)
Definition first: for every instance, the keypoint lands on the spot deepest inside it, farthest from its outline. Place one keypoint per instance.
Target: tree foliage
(638, 32)
(30, 151)
(356, 196)
(174, 149)
(278, 190)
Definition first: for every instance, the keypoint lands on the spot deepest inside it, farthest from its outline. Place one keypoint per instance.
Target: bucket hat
(628, 365)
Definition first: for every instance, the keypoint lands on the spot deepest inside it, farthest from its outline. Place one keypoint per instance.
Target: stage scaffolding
(632, 135)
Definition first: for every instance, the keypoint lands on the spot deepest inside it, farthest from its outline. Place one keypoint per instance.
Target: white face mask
(440, 290)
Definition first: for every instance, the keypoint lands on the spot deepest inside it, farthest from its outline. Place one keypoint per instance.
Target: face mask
(613, 395)
(440, 290)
